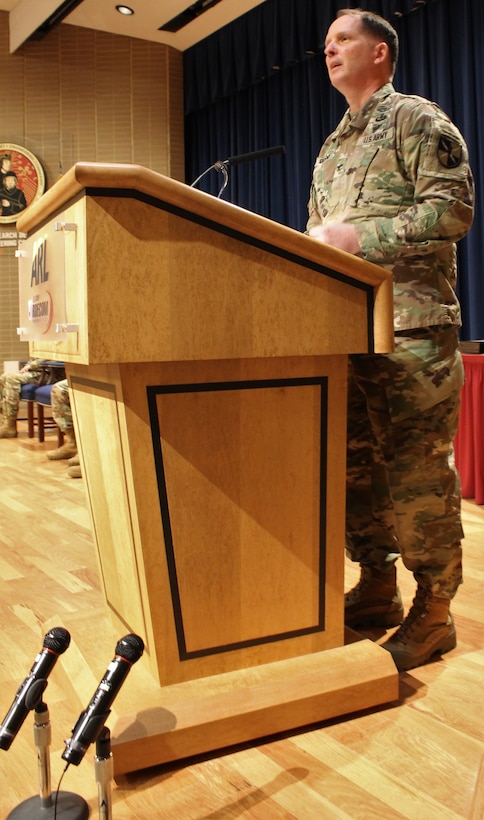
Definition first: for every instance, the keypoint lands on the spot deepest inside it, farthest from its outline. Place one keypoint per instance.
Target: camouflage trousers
(403, 491)
(61, 406)
(10, 386)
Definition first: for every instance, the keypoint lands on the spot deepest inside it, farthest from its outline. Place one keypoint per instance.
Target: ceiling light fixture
(124, 10)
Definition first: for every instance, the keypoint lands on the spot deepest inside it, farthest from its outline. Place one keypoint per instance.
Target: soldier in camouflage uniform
(62, 415)
(10, 387)
(392, 184)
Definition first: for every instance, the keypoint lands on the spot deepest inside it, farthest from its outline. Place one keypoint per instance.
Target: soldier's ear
(382, 53)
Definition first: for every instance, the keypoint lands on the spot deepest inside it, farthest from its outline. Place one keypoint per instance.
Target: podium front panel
(215, 493)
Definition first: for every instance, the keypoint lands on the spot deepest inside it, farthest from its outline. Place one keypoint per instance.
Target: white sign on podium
(42, 280)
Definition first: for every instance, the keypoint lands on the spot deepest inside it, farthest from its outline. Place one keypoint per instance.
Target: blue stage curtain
(262, 82)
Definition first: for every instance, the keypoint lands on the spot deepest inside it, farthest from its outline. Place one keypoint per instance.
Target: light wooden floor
(421, 757)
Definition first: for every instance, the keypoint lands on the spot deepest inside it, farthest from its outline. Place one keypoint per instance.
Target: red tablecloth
(469, 442)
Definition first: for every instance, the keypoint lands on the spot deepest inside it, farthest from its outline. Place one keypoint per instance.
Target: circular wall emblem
(22, 180)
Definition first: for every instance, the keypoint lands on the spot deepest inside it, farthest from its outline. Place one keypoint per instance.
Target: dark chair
(27, 393)
(43, 399)
(37, 394)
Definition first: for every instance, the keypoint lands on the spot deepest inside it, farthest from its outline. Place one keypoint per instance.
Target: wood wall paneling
(81, 95)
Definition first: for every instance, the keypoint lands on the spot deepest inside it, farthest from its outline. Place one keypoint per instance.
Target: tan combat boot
(67, 450)
(427, 630)
(375, 601)
(75, 471)
(9, 429)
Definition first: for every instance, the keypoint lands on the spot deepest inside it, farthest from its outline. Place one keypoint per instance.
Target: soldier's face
(350, 52)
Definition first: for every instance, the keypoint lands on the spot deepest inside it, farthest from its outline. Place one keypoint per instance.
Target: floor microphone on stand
(91, 721)
(29, 693)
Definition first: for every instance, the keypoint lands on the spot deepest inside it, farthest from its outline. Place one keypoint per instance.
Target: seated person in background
(10, 386)
(62, 415)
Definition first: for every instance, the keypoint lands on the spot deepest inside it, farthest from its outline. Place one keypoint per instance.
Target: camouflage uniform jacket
(398, 170)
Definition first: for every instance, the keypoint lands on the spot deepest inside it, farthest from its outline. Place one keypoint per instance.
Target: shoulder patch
(449, 152)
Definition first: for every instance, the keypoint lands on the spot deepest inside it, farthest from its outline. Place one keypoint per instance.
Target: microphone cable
(56, 798)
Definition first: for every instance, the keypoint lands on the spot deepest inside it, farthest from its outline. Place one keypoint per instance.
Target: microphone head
(130, 648)
(57, 640)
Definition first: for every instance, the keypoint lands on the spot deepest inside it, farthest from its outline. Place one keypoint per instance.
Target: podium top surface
(185, 261)
(87, 176)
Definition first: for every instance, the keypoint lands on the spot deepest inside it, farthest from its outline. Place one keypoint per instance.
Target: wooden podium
(206, 351)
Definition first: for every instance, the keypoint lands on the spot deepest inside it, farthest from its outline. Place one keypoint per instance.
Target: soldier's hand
(339, 235)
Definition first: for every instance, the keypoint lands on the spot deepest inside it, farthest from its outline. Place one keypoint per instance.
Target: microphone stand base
(69, 807)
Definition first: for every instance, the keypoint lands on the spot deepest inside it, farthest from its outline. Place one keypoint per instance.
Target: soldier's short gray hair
(378, 26)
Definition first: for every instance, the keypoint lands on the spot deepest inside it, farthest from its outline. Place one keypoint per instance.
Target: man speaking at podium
(392, 184)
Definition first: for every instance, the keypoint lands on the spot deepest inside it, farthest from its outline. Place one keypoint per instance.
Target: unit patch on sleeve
(449, 152)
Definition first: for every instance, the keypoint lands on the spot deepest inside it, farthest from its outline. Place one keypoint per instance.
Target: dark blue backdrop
(262, 82)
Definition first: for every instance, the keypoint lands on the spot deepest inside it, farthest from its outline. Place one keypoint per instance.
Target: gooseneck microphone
(91, 721)
(253, 155)
(29, 693)
(222, 165)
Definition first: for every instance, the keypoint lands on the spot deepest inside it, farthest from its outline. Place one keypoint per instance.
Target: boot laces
(361, 586)
(417, 611)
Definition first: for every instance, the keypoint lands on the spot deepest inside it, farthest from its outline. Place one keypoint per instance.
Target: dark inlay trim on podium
(156, 390)
(248, 240)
